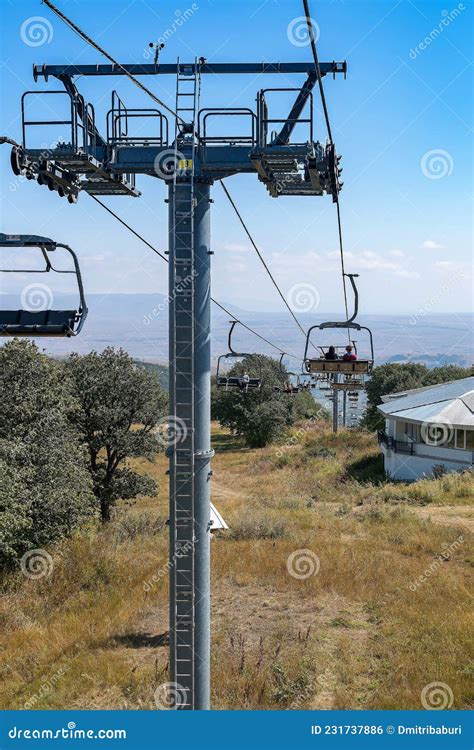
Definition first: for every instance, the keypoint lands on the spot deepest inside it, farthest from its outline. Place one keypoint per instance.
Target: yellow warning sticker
(185, 164)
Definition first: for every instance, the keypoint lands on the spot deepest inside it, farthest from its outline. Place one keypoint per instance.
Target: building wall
(410, 468)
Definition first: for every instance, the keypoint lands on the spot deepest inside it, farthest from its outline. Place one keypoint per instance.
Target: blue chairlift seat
(47, 322)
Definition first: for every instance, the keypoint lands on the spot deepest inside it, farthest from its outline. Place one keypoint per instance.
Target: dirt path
(448, 515)
(252, 615)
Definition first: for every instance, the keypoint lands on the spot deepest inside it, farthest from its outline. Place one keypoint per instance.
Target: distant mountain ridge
(139, 324)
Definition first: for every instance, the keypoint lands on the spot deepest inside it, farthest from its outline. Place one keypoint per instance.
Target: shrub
(265, 424)
(257, 526)
(439, 470)
(126, 526)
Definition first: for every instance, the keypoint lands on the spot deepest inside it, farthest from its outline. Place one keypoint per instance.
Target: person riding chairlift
(244, 381)
(331, 353)
(349, 355)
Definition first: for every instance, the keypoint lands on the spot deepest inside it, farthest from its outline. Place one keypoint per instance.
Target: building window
(451, 439)
(412, 431)
(436, 435)
(470, 440)
(461, 439)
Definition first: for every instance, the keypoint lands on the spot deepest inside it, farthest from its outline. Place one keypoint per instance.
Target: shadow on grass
(224, 441)
(142, 640)
(368, 469)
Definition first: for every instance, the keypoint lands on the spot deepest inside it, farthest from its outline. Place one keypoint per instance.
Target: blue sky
(402, 121)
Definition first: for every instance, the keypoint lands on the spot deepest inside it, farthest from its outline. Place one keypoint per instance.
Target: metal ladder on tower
(183, 397)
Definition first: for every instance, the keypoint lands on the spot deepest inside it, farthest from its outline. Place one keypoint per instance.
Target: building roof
(217, 522)
(447, 403)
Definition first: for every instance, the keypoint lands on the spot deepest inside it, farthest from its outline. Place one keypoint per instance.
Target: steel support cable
(102, 51)
(218, 304)
(328, 126)
(247, 232)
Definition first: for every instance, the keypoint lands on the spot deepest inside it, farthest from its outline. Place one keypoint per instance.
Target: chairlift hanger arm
(349, 323)
(232, 352)
(82, 110)
(304, 94)
(56, 71)
(80, 285)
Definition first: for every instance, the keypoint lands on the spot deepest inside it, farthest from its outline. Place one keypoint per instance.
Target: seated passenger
(244, 381)
(349, 354)
(331, 353)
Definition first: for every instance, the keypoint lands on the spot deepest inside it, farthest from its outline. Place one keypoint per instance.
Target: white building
(426, 427)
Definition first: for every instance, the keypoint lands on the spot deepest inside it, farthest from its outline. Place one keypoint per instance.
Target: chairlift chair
(226, 382)
(48, 322)
(359, 367)
(289, 388)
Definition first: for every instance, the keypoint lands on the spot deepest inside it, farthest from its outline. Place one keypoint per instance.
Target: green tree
(266, 423)
(45, 488)
(394, 377)
(120, 407)
(260, 415)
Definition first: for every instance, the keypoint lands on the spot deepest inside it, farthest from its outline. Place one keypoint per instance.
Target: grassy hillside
(362, 631)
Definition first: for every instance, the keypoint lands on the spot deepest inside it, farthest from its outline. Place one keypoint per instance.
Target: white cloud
(367, 260)
(287, 259)
(404, 273)
(234, 247)
(397, 254)
(431, 245)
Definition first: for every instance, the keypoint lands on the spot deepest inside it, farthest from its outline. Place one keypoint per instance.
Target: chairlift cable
(328, 126)
(102, 51)
(247, 232)
(224, 309)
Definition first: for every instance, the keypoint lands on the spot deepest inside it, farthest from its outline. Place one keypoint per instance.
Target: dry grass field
(378, 609)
